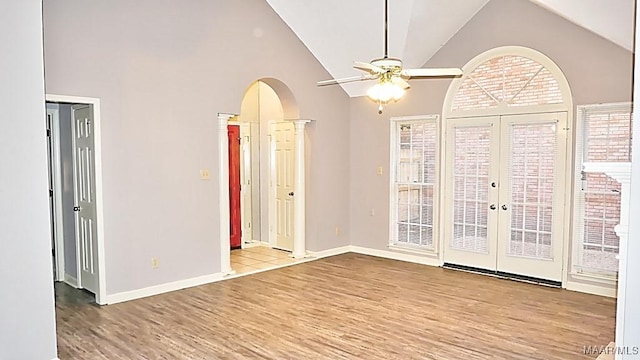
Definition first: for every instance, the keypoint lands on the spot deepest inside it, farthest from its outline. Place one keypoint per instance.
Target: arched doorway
(272, 171)
(507, 166)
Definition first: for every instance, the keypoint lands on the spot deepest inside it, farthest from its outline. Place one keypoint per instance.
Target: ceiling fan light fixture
(385, 91)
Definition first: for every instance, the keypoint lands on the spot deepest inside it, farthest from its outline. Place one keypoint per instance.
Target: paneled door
(85, 196)
(233, 132)
(504, 191)
(284, 178)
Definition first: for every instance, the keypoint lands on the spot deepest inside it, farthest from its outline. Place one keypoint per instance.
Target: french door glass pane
(531, 169)
(470, 188)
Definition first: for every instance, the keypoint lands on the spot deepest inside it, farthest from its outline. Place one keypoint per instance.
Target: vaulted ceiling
(338, 32)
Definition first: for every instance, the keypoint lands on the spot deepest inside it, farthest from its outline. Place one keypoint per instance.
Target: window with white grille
(604, 137)
(507, 80)
(414, 144)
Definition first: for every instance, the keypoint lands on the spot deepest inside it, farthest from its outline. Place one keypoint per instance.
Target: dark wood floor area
(343, 307)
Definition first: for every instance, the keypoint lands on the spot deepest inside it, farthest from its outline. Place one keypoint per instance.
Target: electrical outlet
(372, 212)
(154, 263)
(379, 170)
(337, 231)
(204, 174)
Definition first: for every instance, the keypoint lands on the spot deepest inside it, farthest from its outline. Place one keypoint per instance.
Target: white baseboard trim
(314, 255)
(591, 289)
(424, 260)
(71, 281)
(253, 244)
(330, 252)
(162, 288)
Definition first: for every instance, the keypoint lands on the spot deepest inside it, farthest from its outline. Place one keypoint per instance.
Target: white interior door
(85, 194)
(505, 212)
(284, 182)
(531, 198)
(472, 167)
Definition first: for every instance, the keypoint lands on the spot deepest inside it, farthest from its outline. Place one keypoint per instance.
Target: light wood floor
(259, 258)
(344, 307)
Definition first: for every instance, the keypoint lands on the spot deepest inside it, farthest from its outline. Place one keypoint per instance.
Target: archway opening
(270, 138)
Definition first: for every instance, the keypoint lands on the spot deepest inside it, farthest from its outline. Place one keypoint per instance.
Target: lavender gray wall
(27, 319)
(163, 70)
(597, 71)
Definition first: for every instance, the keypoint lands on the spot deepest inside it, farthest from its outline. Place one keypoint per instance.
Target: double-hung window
(603, 138)
(414, 164)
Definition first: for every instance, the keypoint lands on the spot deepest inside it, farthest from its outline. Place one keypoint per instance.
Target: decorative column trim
(299, 199)
(223, 191)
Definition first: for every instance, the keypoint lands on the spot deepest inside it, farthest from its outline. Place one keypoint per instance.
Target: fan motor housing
(387, 63)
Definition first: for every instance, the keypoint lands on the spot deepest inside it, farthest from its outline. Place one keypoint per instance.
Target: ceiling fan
(392, 78)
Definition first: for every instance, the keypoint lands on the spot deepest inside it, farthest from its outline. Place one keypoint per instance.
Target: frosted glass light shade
(385, 91)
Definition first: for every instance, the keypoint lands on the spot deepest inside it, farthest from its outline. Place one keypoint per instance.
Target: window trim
(393, 244)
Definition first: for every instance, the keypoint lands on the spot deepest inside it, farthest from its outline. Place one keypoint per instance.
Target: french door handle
(492, 206)
(291, 193)
(504, 207)
(77, 208)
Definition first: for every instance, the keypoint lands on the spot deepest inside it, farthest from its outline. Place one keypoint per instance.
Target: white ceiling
(338, 32)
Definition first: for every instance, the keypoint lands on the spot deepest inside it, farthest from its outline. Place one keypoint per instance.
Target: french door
(505, 204)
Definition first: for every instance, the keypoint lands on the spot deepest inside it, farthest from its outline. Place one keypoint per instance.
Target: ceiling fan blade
(397, 80)
(346, 80)
(372, 69)
(431, 72)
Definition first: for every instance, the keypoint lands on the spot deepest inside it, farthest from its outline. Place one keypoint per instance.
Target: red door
(234, 185)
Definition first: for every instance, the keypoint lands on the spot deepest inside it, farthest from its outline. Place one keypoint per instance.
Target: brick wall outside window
(607, 138)
(514, 80)
(415, 182)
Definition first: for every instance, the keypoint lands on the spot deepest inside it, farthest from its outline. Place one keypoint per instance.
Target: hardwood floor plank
(349, 306)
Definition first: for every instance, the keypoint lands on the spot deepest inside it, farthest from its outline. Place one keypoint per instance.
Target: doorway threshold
(504, 275)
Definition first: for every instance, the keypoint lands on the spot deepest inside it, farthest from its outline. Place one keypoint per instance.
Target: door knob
(492, 206)
(77, 208)
(504, 207)
(291, 193)
(493, 184)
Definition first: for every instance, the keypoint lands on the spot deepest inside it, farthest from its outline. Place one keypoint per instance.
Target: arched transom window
(507, 81)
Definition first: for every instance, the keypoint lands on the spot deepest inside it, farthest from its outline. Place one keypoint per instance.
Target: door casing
(95, 104)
